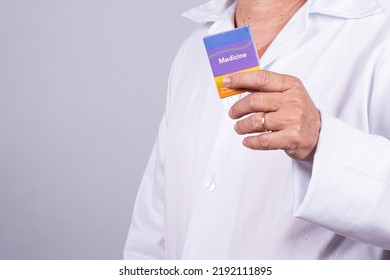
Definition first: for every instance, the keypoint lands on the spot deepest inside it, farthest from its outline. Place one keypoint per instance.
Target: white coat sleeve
(146, 235)
(146, 238)
(347, 186)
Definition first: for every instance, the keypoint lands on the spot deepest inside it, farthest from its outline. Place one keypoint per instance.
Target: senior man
(299, 168)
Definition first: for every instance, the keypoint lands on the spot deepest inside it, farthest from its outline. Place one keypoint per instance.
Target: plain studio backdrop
(82, 91)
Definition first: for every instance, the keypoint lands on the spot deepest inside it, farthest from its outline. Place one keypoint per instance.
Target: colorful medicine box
(229, 52)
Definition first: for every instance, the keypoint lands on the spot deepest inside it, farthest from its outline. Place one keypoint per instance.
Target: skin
(266, 17)
(292, 116)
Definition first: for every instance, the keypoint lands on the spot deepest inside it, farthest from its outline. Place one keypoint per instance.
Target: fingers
(271, 95)
(254, 123)
(256, 102)
(291, 114)
(285, 140)
(297, 136)
(261, 81)
(265, 141)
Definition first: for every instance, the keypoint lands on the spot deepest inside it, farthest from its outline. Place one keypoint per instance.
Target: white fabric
(205, 196)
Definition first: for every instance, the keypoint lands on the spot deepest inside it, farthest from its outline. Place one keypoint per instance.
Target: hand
(292, 119)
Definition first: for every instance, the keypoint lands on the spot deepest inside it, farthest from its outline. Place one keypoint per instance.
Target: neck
(266, 17)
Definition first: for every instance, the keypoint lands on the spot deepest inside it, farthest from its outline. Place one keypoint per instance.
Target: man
(297, 169)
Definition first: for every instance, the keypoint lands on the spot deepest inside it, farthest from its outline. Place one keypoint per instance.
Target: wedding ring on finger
(263, 122)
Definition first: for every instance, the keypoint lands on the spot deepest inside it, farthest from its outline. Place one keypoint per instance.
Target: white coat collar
(215, 9)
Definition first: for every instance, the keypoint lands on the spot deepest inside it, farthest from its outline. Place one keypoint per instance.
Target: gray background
(82, 90)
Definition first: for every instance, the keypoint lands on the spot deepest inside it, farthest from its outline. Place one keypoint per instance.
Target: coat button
(211, 185)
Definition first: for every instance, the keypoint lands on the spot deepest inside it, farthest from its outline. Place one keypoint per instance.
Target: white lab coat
(205, 196)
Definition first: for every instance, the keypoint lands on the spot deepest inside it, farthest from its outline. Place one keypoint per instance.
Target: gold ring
(263, 122)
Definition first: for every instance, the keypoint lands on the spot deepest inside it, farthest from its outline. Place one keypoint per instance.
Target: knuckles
(253, 101)
(256, 122)
(262, 142)
(295, 137)
(296, 83)
(249, 125)
(262, 78)
(297, 117)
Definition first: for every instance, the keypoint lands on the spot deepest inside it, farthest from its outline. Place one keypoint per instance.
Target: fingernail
(226, 81)
(230, 113)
